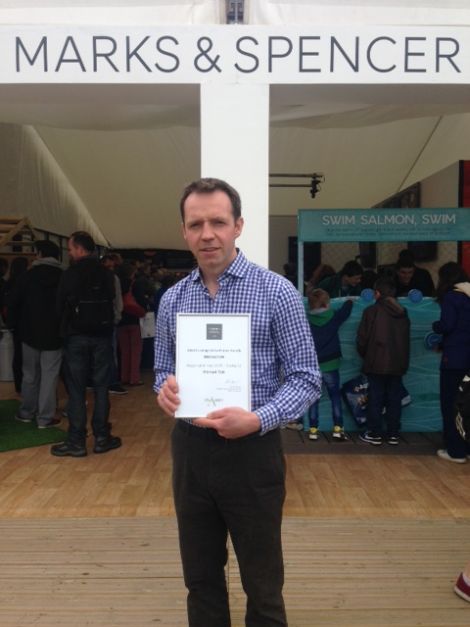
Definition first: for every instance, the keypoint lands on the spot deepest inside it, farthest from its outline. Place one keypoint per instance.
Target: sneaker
(295, 426)
(117, 389)
(313, 433)
(443, 454)
(52, 423)
(371, 438)
(339, 435)
(66, 449)
(107, 444)
(393, 440)
(21, 419)
(462, 589)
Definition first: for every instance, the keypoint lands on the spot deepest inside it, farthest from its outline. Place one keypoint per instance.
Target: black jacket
(383, 338)
(32, 305)
(69, 290)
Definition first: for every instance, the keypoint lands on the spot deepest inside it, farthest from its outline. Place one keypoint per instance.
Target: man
(85, 305)
(228, 467)
(409, 277)
(32, 304)
(347, 282)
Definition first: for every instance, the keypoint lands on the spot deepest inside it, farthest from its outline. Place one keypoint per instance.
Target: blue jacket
(454, 325)
(324, 327)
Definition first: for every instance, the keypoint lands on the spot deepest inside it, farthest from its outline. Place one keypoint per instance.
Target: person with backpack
(85, 305)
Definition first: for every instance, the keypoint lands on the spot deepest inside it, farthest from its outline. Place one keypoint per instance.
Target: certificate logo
(213, 331)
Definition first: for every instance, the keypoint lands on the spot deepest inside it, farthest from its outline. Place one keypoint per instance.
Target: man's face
(109, 264)
(352, 281)
(75, 252)
(210, 230)
(405, 275)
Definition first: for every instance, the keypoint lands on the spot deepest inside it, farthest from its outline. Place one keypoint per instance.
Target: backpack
(92, 306)
(462, 405)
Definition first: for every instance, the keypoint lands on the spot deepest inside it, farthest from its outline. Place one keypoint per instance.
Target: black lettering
(272, 55)
(31, 60)
(408, 54)
(369, 54)
(303, 54)
(247, 54)
(168, 54)
(448, 55)
(105, 55)
(69, 41)
(134, 53)
(353, 63)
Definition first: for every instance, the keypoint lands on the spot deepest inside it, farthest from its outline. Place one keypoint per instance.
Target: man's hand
(231, 422)
(168, 398)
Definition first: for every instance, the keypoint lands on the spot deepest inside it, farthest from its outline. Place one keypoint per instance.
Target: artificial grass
(15, 434)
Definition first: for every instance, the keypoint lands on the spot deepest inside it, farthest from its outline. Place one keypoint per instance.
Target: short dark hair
(46, 248)
(351, 268)
(83, 239)
(385, 286)
(405, 261)
(209, 186)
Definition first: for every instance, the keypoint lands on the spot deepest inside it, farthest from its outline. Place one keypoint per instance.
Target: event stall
(389, 225)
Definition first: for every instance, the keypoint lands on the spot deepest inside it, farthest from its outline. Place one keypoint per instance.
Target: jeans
(87, 357)
(230, 486)
(331, 381)
(39, 387)
(385, 390)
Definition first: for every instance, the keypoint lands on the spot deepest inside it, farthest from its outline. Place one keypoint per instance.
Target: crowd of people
(81, 324)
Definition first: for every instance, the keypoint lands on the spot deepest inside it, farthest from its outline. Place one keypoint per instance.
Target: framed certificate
(213, 362)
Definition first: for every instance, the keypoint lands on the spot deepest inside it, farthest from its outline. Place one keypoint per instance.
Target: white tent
(113, 158)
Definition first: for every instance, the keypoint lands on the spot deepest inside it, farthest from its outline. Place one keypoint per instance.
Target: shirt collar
(238, 268)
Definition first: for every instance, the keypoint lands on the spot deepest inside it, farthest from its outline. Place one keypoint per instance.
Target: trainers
(117, 389)
(52, 423)
(66, 449)
(371, 438)
(107, 444)
(443, 454)
(462, 589)
(313, 433)
(338, 434)
(21, 419)
(295, 426)
(393, 440)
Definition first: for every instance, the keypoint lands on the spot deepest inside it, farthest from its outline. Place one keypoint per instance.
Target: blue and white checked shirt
(284, 369)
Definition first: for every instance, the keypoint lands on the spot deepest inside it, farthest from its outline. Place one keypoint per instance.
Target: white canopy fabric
(113, 159)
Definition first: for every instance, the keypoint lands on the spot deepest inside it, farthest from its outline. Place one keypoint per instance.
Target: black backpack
(92, 306)
(462, 405)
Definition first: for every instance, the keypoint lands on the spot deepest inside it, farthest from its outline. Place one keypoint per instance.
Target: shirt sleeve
(301, 384)
(164, 364)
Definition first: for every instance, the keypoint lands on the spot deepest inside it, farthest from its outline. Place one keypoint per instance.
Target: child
(324, 324)
(383, 341)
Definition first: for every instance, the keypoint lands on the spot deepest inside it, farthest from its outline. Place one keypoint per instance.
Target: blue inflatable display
(421, 380)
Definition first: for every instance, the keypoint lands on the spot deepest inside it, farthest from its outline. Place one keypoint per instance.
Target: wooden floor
(370, 540)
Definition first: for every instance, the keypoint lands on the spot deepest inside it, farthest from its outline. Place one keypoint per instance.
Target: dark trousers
(385, 390)
(234, 487)
(17, 363)
(87, 357)
(449, 384)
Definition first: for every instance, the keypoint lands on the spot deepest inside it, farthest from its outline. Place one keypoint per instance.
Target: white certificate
(213, 362)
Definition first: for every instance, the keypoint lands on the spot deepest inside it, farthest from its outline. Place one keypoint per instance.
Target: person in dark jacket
(32, 304)
(409, 277)
(324, 325)
(85, 304)
(347, 282)
(383, 341)
(453, 294)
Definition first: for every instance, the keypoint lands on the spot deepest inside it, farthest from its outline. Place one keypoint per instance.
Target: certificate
(213, 362)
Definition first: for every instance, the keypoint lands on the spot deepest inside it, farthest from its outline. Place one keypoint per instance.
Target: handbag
(131, 306)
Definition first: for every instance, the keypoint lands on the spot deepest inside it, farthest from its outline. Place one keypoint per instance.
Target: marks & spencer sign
(256, 54)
